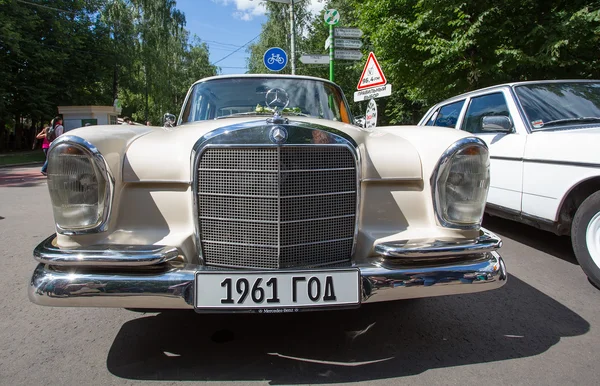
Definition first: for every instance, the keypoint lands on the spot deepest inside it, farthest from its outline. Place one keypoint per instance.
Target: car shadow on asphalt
(547, 242)
(376, 341)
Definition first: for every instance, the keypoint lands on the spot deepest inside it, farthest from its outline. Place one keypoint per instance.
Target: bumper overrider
(152, 277)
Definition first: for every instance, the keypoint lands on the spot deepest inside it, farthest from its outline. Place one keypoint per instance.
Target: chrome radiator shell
(267, 206)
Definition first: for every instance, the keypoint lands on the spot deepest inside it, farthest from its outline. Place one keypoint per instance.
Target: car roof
(274, 76)
(514, 84)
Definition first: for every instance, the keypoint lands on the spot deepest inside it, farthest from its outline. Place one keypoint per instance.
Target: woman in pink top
(45, 147)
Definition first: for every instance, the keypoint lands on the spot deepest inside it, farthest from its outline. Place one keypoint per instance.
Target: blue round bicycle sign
(275, 59)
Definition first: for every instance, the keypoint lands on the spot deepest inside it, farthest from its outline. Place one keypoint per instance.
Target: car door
(506, 149)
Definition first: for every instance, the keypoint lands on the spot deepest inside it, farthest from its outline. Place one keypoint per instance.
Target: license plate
(284, 291)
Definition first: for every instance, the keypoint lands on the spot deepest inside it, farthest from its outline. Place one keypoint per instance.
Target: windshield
(230, 97)
(564, 105)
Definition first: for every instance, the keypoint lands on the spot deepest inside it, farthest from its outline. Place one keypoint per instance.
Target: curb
(23, 164)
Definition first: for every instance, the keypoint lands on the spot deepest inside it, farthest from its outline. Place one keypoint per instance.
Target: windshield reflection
(230, 97)
(566, 105)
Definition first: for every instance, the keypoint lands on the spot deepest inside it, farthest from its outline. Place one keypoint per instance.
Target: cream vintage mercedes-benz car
(264, 197)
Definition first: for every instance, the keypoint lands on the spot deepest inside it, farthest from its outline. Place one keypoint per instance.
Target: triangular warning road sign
(372, 76)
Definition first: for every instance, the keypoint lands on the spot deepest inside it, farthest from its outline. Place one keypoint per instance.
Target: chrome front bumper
(478, 267)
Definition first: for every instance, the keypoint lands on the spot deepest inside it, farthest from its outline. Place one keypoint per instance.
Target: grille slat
(276, 207)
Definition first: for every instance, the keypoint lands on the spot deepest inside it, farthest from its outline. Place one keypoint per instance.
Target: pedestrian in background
(52, 132)
(45, 144)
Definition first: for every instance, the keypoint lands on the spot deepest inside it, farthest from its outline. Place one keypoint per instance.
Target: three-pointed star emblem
(278, 135)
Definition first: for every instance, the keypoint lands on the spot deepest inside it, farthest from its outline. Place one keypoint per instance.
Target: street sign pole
(293, 38)
(331, 53)
(332, 17)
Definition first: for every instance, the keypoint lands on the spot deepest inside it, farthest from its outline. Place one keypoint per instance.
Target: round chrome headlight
(460, 184)
(79, 186)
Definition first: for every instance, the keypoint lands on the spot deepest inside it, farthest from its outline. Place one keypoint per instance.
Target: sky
(225, 25)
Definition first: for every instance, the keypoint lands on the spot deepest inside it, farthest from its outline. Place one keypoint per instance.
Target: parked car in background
(264, 196)
(544, 141)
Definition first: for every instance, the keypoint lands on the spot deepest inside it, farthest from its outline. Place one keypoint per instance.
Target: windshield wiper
(246, 113)
(263, 113)
(572, 120)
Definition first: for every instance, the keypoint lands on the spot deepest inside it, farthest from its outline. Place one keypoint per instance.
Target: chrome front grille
(276, 207)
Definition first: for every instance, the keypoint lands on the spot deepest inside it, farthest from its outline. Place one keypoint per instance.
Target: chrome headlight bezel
(445, 162)
(100, 163)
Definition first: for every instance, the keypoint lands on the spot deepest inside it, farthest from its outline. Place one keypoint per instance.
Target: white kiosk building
(78, 116)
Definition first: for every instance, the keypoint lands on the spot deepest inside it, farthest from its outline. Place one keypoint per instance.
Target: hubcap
(592, 238)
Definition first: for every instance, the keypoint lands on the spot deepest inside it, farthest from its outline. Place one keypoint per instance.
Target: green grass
(22, 157)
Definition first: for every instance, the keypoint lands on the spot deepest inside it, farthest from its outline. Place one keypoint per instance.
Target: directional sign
(348, 43)
(275, 59)
(315, 59)
(372, 93)
(372, 76)
(371, 115)
(328, 43)
(332, 16)
(348, 55)
(347, 33)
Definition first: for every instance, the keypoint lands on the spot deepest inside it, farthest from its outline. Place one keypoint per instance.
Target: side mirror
(169, 120)
(360, 121)
(496, 124)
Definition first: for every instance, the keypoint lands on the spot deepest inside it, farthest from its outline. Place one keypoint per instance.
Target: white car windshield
(564, 105)
(232, 97)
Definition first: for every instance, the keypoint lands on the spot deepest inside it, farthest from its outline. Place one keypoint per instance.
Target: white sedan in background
(544, 142)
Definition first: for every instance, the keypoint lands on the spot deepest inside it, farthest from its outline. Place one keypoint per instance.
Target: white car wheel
(585, 236)
(592, 238)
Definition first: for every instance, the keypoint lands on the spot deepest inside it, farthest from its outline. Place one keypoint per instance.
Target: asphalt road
(541, 328)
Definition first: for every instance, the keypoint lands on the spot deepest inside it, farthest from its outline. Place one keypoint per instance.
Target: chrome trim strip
(316, 170)
(256, 134)
(275, 171)
(185, 182)
(101, 164)
(235, 195)
(318, 242)
(392, 179)
(174, 288)
(320, 194)
(519, 159)
(108, 255)
(263, 196)
(485, 242)
(239, 244)
(550, 162)
(317, 219)
(238, 220)
(278, 201)
(441, 165)
(274, 222)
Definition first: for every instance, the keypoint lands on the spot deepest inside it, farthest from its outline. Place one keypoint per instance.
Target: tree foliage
(89, 52)
(431, 50)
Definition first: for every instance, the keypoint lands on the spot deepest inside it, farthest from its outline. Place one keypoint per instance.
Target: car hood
(575, 145)
(165, 154)
(156, 154)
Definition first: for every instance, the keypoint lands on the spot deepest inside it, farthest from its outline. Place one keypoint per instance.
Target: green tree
(276, 33)
(86, 52)
(432, 50)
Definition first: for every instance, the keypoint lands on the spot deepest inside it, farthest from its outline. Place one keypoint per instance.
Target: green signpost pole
(331, 52)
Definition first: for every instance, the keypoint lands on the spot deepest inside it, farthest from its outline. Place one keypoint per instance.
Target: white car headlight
(80, 186)
(460, 184)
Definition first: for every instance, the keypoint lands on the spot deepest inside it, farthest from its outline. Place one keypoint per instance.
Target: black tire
(588, 211)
